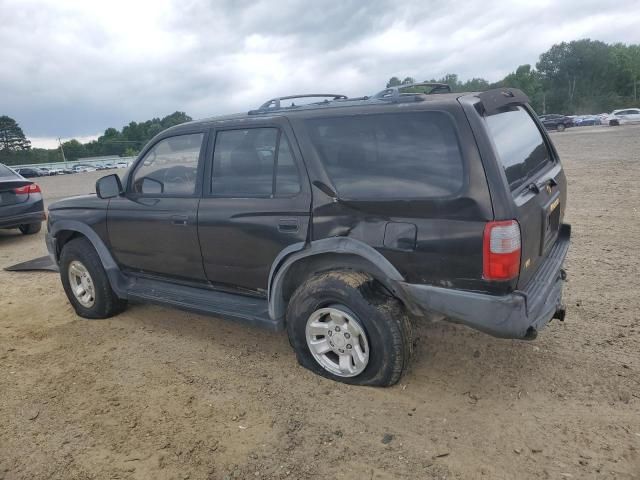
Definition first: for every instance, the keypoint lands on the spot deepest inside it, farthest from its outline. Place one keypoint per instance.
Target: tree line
(578, 77)
(15, 148)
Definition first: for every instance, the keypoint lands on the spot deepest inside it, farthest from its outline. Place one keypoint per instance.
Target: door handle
(288, 225)
(179, 219)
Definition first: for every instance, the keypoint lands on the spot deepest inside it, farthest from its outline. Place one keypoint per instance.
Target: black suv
(337, 220)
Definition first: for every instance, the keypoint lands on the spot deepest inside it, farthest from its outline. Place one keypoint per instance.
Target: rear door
(535, 181)
(153, 227)
(256, 202)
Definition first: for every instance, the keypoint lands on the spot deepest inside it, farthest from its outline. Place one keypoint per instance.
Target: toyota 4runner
(338, 220)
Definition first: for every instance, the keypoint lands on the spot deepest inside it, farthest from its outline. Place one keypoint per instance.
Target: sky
(72, 68)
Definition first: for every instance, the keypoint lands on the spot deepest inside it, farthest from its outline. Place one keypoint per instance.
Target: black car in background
(29, 172)
(21, 204)
(557, 122)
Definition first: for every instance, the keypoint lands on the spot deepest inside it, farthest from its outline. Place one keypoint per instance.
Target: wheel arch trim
(379, 267)
(116, 278)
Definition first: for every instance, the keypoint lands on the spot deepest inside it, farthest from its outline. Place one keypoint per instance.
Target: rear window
(383, 156)
(520, 145)
(6, 172)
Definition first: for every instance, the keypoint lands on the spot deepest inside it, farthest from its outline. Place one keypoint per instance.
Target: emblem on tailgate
(554, 205)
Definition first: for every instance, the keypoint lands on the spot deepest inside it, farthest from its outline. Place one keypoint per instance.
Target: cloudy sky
(72, 68)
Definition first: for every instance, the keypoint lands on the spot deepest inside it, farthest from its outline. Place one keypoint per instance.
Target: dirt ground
(157, 393)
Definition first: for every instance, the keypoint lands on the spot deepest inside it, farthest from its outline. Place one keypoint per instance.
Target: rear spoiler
(497, 99)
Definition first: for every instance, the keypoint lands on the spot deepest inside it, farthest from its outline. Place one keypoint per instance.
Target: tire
(99, 300)
(560, 127)
(614, 123)
(361, 301)
(30, 228)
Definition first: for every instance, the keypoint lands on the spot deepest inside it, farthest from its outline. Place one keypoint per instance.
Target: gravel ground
(159, 393)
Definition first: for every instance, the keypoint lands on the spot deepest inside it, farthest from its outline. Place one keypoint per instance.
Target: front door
(256, 202)
(153, 227)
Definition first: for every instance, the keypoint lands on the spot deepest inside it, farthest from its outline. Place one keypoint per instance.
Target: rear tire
(614, 123)
(86, 283)
(560, 127)
(30, 228)
(380, 339)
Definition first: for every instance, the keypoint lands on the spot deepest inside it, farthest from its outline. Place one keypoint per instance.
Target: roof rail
(394, 93)
(275, 103)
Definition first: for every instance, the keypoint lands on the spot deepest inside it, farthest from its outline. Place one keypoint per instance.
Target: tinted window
(409, 155)
(244, 164)
(520, 146)
(287, 177)
(170, 167)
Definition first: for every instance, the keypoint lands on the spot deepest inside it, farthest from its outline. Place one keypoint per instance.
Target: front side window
(385, 156)
(170, 167)
(253, 162)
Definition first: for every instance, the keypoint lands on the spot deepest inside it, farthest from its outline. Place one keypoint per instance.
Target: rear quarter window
(384, 156)
(520, 146)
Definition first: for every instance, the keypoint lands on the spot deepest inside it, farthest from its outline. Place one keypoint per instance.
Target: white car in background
(624, 116)
(122, 165)
(83, 168)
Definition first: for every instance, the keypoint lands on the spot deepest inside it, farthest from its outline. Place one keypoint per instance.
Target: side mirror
(109, 186)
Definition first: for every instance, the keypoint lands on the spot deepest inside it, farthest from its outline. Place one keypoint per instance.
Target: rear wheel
(345, 326)
(560, 127)
(30, 228)
(614, 123)
(86, 283)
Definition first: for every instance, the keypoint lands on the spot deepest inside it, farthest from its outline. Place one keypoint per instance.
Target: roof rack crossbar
(394, 93)
(275, 103)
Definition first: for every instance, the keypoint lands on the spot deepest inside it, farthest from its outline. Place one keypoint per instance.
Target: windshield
(6, 172)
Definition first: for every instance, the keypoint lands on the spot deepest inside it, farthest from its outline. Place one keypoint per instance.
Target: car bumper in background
(24, 218)
(520, 314)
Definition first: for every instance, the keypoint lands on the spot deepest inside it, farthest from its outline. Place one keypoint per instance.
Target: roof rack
(275, 103)
(394, 93)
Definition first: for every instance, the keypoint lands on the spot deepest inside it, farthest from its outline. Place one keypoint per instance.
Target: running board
(241, 308)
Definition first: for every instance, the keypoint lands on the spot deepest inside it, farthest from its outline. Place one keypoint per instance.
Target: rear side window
(520, 146)
(254, 162)
(384, 156)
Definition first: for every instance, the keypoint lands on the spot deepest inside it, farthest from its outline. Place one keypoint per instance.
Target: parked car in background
(109, 165)
(84, 168)
(56, 171)
(557, 122)
(122, 165)
(21, 204)
(293, 218)
(586, 120)
(29, 172)
(624, 116)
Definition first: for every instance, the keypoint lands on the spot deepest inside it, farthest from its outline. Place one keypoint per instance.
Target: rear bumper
(16, 220)
(520, 314)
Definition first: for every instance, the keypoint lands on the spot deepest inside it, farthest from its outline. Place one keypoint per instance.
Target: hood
(90, 201)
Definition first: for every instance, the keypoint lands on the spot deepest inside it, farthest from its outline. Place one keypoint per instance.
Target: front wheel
(345, 326)
(86, 283)
(560, 127)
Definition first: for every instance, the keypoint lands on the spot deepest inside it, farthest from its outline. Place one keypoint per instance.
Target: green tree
(73, 150)
(393, 82)
(12, 138)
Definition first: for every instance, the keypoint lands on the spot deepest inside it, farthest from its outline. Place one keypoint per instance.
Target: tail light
(501, 250)
(27, 189)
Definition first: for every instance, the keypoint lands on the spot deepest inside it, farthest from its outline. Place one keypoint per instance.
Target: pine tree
(11, 136)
